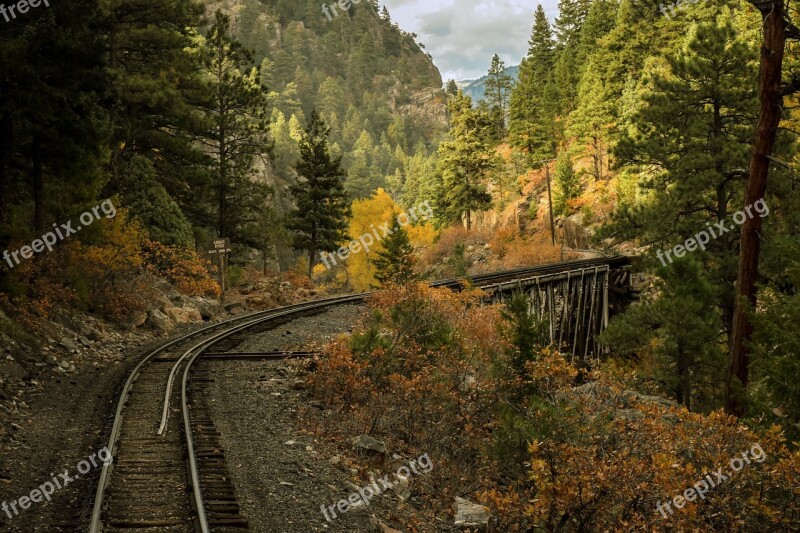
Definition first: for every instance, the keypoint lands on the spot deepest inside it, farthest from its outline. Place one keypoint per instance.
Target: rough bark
(770, 77)
(6, 138)
(38, 185)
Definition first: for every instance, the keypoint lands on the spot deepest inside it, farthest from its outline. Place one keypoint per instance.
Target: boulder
(160, 321)
(95, 335)
(235, 308)
(136, 318)
(68, 343)
(470, 514)
(207, 308)
(183, 315)
(367, 443)
(17, 371)
(248, 289)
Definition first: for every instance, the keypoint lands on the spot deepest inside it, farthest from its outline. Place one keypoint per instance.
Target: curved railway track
(169, 473)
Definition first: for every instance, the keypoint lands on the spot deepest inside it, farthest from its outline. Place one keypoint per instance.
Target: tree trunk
(685, 383)
(38, 185)
(770, 77)
(6, 138)
(727, 298)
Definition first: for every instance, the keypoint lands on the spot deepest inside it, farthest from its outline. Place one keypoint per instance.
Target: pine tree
(452, 87)
(568, 24)
(319, 221)
(238, 128)
(395, 262)
(569, 62)
(592, 122)
(149, 202)
(498, 91)
(692, 135)
(158, 97)
(532, 122)
(599, 22)
(54, 130)
(567, 181)
(466, 162)
(676, 335)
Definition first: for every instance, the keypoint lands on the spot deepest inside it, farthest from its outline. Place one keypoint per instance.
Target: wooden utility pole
(550, 203)
(771, 92)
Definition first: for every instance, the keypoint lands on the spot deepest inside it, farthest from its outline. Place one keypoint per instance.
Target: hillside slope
(374, 86)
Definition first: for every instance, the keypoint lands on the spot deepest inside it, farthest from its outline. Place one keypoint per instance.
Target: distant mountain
(477, 88)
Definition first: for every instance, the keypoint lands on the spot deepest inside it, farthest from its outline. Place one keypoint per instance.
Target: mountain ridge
(476, 88)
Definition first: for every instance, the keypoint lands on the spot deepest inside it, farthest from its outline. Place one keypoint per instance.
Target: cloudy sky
(462, 35)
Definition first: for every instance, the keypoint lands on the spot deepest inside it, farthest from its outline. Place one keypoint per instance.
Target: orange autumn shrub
(182, 267)
(417, 375)
(604, 459)
(424, 374)
(447, 241)
(104, 272)
(512, 250)
(101, 275)
(112, 268)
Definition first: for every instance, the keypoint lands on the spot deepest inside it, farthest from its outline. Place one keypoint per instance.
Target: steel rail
(193, 354)
(260, 317)
(95, 525)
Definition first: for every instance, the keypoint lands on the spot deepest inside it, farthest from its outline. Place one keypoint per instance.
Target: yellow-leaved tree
(368, 217)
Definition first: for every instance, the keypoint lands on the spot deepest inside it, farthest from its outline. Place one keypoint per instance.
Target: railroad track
(148, 487)
(169, 472)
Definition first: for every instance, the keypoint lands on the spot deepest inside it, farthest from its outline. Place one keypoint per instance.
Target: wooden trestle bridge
(576, 299)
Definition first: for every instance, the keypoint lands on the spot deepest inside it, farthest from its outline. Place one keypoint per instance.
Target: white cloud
(462, 35)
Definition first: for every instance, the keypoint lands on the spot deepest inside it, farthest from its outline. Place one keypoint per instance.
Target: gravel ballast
(281, 474)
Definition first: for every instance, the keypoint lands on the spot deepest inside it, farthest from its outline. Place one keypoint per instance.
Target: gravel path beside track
(281, 475)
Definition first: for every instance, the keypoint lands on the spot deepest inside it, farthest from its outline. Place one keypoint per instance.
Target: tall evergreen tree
(395, 263)
(592, 122)
(466, 160)
(452, 87)
(498, 91)
(567, 181)
(676, 336)
(54, 128)
(568, 24)
(319, 221)
(238, 128)
(692, 137)
(532, 123)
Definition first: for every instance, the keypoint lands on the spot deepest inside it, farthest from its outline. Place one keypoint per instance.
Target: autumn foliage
(182, 267)
(431, 371)
(368, 216)
(419, 376)
(105, 271)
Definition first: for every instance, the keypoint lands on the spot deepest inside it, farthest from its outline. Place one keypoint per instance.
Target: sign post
(221, 248)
